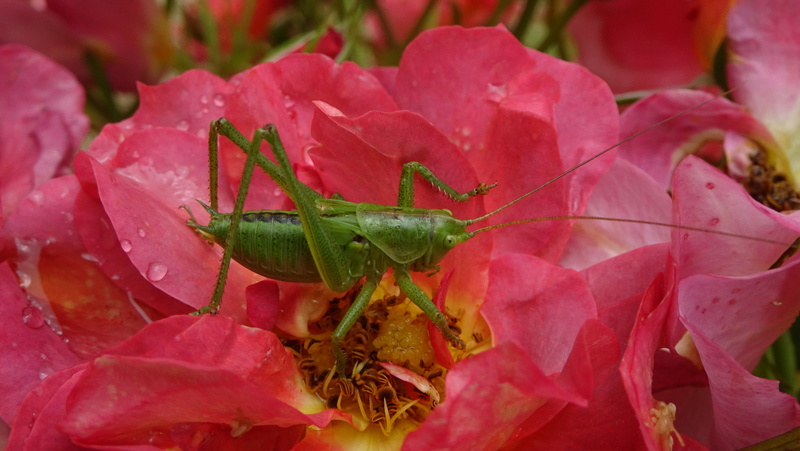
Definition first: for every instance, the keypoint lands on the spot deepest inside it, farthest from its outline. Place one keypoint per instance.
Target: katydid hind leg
(328, 255)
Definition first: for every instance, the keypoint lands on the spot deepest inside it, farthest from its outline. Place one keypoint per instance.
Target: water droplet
(736, 290)
(288, 102)
(32, 317)
(496, 93)
(777, 303)
(89, 257)
(45, 371)
(703, 311)
(219, 100)
(203, 100)
(126, 245)
(36, 197)
(182, 125)
(466, 131)
(713, 221)
(710, 185)
(140, 231)
(156, 271)
(732, 302)
(715, 301)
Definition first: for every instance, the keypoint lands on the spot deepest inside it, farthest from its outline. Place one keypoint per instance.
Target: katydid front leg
(405, 197)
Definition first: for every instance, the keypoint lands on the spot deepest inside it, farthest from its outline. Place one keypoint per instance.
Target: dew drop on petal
(777, 303)
(126, 245)
(32, 317)
(182, 125)
(156, 271)
(36, 197)
(715, 301)
(710, 185)
(219, 100)
(496, 93)
(203, 100)
(713, 221)
(140, 231)
(732, 302)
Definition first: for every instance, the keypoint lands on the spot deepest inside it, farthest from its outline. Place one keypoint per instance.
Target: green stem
(561, 23)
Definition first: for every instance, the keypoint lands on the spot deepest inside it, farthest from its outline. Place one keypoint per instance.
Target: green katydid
(339, 242)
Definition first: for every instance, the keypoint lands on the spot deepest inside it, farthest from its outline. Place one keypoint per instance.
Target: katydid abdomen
(270, 243)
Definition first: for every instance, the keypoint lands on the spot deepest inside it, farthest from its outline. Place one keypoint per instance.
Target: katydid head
(447, 232)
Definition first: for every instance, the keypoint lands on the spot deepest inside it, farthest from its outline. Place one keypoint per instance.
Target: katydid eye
(450, 241)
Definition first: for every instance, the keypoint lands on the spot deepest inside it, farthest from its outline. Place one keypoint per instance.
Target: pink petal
(205, 370)
(188, 102)
(420, 383)
(624, 192)
(31, 351)
(618, 284)
(608, 421)
(706, 198)
(636, 367)
(739, 398)
(743, 316)
(488, 395)
(587, 121)
(525, 294)
(42, 411)
(142, 198)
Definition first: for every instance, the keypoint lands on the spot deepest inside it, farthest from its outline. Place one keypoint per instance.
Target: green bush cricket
(339, 242)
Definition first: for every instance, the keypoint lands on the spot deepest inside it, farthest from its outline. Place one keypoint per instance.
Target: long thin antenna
(634, 221)
(587, 161)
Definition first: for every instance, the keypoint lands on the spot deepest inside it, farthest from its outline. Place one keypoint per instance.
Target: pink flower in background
(637, 45)
(130, 39)
(41, 122)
